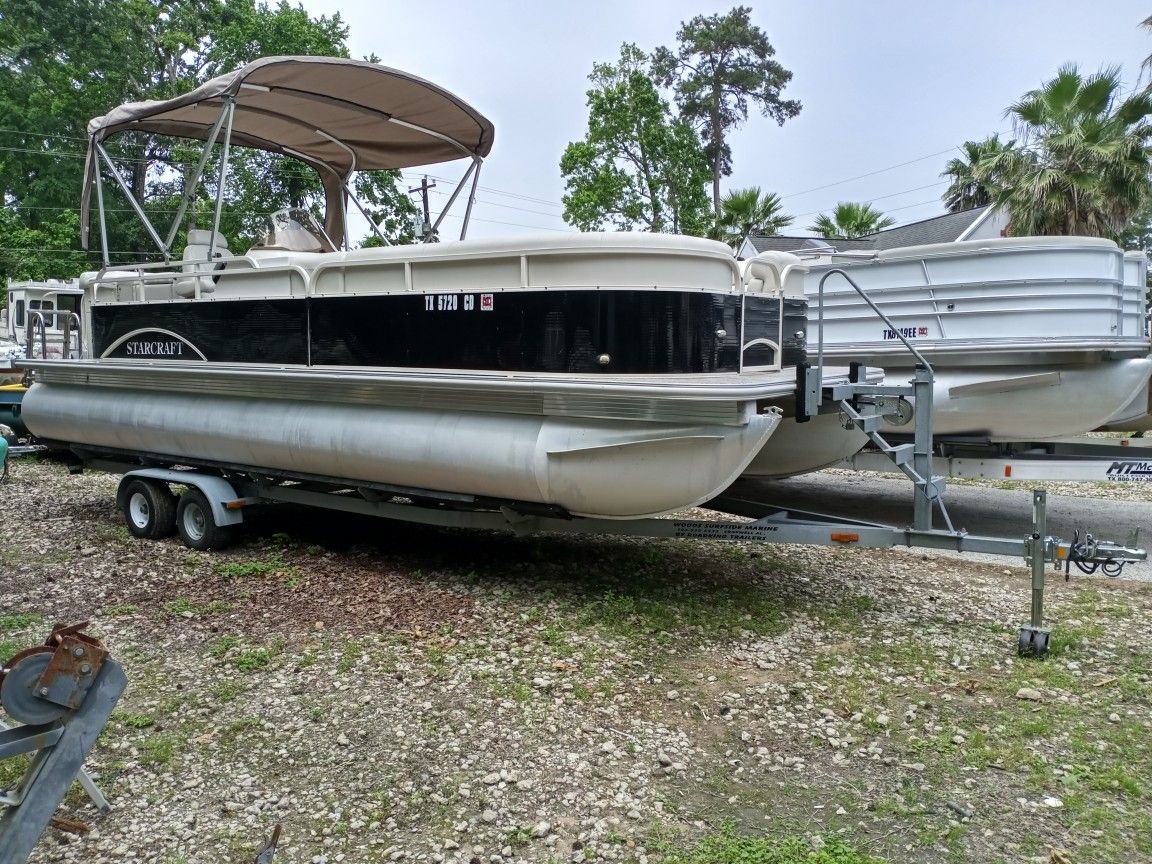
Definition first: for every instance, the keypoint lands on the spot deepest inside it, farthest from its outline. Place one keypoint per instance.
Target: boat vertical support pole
(103, 220)
(471, 201)
(474, 167)
(223, 175)
(140, 214)
(190, 183)
(926, 490)
(1033, 641)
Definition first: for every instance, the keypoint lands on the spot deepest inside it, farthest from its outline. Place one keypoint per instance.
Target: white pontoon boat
(612, 375)
(1031, 338)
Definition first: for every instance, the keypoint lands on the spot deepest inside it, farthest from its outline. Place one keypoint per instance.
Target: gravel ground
(396, 693)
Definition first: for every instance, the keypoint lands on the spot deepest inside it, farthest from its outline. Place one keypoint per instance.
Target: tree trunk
(717, 154)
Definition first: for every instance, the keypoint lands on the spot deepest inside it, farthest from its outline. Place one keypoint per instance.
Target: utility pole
(426, 225)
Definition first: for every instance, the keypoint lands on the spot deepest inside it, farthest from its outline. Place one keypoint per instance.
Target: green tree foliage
(851, 220)
(1083, 165)
(637, 167)
(965, 192)
(41, 252)
(745, 212)
(63, 62)
(721, 65)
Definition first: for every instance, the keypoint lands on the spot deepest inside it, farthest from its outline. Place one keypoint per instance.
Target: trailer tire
(148, 506)
(195, 525)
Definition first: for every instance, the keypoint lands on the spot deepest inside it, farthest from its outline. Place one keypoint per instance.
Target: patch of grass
(119, 609)
(223, 645)
(158, 749)
(847, 611)
(284, 541)
(232, 732)
(134, 721)
(19, 621)
(253, 659)
(655, 608)
(555, 637)
(228, 691)
(180, 606)
(249, 569)
(726, 847)
(112, 533)
(11, 770)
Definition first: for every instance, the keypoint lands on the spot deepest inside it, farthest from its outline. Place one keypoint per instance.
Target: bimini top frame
(339, 116)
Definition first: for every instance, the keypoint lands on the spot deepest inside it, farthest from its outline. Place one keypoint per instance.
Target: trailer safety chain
(1084, 556)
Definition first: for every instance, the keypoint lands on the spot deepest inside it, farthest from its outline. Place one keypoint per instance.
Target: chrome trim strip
(717, 399)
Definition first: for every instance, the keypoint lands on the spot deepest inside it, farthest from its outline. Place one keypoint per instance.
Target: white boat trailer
(207, 515)
(1100, 460)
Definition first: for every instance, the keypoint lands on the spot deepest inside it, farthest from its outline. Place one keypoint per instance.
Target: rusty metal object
(264, 853)
(27, 652)
(72, 826)
(41, 683)
(71, 670)
(20, 691)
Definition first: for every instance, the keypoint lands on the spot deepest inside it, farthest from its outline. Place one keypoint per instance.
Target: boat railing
(71, 339)
(158, 280)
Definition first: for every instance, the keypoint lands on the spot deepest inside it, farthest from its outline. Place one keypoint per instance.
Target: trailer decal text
(1130, 471)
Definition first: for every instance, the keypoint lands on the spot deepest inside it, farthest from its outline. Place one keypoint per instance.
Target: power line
(514, 224)
(506, 206)
(43, 134)
(879, 198)
(495, 191)
(869, 174)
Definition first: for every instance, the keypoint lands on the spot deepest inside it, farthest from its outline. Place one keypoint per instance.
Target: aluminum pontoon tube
(606, 468)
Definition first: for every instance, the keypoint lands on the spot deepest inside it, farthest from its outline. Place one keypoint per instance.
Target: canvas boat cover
(336, 114)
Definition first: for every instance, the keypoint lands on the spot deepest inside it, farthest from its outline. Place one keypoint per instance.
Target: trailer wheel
(149, 508)
(194, 522)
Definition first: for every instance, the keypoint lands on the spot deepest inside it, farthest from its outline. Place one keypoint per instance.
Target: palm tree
(965, 191)
(850, 220)
(1084, 165)
(1146, 66)
(744, 212)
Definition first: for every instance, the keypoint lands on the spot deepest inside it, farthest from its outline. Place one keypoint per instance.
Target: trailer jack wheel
(195, 525)
(1033, 641)
(149, 508)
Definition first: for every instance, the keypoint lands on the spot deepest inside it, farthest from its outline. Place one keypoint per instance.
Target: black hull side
(601, 331)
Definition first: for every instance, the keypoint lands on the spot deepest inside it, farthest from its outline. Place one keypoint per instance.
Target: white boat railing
(36, 334)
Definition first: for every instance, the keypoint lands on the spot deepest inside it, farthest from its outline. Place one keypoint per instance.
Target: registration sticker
(906, 332)
(486, 302)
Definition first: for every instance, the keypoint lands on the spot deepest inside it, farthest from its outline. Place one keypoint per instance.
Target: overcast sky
(889, 88)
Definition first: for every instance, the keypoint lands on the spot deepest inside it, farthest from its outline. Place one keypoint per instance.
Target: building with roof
(977, 224)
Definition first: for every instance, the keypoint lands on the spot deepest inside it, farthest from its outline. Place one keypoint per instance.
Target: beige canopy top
(338, 115)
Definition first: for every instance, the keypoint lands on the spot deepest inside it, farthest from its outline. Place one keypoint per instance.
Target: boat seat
(774, 273)
(273, 256)
(195, 261)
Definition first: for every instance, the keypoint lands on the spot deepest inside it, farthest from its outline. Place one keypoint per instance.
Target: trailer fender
(217, 490)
